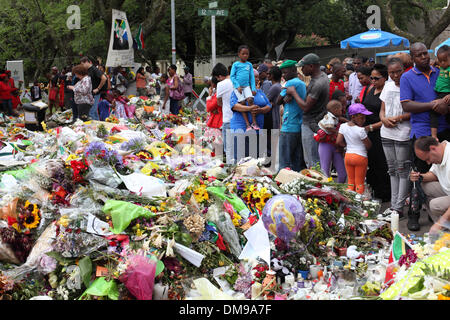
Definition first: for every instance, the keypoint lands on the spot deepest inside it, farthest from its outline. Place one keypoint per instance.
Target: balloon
(283, 216)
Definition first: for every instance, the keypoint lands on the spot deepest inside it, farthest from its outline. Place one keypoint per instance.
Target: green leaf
(418, 286)
(85, 265)
(60, 258)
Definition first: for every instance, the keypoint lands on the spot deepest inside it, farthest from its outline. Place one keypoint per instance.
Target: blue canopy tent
(374, 38)
(446, 42)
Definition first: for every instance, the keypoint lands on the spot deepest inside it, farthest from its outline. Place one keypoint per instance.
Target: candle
(394, 222)
(256, 289)
(314, 271)
(160, 292)
(289, 279)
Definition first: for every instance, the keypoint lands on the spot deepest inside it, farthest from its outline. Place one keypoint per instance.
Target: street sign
(213, 5)
(213, 12)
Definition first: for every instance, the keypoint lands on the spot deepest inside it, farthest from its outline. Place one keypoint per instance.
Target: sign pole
(174, 48)
(213, 39)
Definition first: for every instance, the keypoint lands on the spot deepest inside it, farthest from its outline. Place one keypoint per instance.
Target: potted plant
(303, 267)
(341, 246)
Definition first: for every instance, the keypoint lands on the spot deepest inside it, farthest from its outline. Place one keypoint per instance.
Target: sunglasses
(375, 78)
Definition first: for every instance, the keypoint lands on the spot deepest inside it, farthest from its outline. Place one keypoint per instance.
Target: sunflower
(32, 220)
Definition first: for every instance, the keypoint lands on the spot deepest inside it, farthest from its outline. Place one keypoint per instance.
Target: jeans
(93, 113)
(330, 155)
(290, 151)
(174, 106)
(225, 127)
(7, 106)
(399, 160)
(83, 111)
(74, 107)
(311, 146)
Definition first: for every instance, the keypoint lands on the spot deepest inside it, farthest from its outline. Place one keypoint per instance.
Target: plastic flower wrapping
(139, 207)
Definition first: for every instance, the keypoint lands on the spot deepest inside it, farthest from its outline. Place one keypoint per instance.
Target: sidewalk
(425, 224)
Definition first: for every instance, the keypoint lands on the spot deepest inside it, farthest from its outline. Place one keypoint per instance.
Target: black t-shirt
(96, 77)
(55, 79)
(372, 102)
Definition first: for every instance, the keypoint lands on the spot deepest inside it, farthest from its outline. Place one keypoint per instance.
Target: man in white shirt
(224, 91)
(436, 182)
(354, 86)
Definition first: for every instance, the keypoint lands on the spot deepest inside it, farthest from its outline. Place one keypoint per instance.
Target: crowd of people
(94, 92)
(379, 126)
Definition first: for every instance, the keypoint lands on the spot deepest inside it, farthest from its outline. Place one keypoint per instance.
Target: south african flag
(139, 39)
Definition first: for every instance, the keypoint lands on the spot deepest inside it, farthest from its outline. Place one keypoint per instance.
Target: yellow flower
(70, 158)
(32, 221)
(442, 297)
(318, 211)
(310, 200)
(16, 226)
(64, 221)
(330, 179)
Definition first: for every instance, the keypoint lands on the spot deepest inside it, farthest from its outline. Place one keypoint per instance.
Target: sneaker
(386, 215)
(249, 129)
(255, 126)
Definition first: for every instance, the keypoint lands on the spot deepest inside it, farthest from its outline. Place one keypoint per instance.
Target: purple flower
(98, 151)
(47, 264)
(312, 223)
(134, 144)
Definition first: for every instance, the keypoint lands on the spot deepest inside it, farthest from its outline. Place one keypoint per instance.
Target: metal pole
(174, 50)
(213, 39)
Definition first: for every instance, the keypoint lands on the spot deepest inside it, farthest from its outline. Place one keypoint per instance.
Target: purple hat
(358, 108)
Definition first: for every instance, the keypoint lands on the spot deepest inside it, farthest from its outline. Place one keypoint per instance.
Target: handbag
(178, 93)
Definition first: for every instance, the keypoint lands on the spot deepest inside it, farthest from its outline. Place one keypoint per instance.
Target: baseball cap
(358, 108)
(310, 58)
(288, 64)
(263, 68)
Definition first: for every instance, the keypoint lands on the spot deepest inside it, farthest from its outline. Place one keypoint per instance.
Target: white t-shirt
(354, 137)
(224, 91)
(393, 108)
(442, 170)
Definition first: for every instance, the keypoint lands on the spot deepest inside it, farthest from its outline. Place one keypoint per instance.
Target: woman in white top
(395, 132)
(353, 136)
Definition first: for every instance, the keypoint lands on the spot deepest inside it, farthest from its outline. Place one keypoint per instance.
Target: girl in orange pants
(356, 167)
(353, 136)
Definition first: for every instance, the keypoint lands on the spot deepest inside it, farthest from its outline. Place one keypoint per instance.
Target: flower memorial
(141, 209)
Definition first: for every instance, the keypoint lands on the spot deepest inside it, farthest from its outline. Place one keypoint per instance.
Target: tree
(262, 25)
(423, 10)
